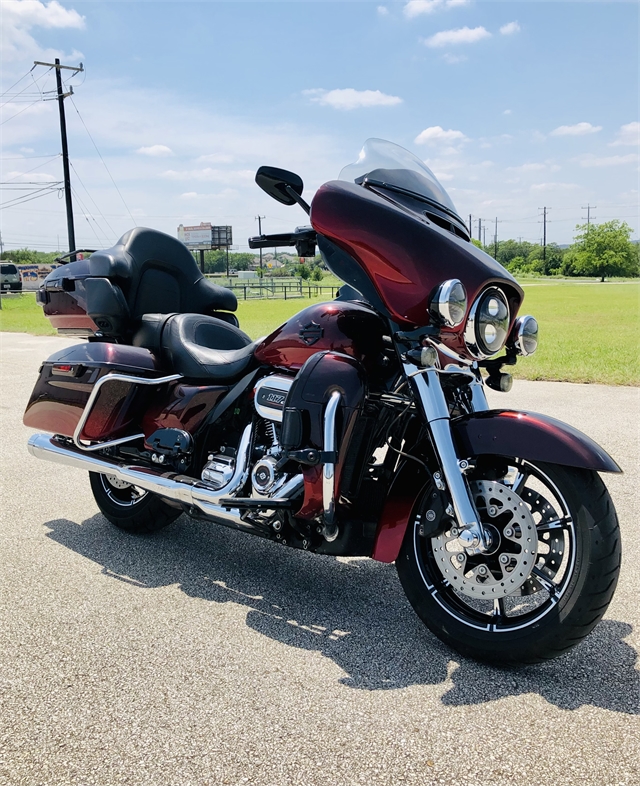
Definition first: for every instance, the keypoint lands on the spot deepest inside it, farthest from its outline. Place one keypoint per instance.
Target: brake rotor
(116, 482)
(507, 565)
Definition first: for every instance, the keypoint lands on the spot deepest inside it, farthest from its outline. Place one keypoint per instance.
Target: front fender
(528, 435)
(497, 432)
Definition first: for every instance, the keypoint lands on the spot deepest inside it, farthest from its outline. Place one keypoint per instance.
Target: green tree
(304, 271)
(604, 250)
(317, 274)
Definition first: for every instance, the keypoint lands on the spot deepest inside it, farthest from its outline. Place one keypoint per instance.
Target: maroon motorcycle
(360, 427)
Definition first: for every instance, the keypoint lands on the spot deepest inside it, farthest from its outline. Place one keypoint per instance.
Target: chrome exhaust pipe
(189, 492)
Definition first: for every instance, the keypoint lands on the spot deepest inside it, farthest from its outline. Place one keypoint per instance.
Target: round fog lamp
(449, 304)
(525, 332)
(488, 323)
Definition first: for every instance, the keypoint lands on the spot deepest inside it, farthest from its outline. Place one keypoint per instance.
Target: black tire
(577, 563)
(129, 508)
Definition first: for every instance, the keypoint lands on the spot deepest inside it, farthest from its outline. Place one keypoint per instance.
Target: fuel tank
(351, 328)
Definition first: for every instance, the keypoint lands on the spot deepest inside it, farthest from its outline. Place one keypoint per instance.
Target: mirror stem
(294, 195)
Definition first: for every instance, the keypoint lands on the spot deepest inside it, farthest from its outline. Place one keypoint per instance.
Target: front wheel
(544, 583)
(129, 507)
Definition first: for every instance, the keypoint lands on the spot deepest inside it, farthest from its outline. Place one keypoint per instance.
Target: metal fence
(289, 290)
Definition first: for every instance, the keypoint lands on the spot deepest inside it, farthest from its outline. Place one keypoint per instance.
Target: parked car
(10, 277)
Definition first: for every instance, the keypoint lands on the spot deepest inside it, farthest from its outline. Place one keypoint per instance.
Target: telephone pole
(544, 234)
(65, 150)
(259, 220)
(470, 230)
(589, 208)
(480, 230)
(495, 241)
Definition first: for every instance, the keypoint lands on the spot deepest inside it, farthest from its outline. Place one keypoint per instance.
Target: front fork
(427, 389)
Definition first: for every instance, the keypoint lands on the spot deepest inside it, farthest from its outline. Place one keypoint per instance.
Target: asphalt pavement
(205, 656)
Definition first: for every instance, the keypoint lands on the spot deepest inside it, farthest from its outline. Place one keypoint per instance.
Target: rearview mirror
(274, 182)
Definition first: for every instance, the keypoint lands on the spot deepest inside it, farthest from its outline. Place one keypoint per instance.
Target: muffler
(189, 492)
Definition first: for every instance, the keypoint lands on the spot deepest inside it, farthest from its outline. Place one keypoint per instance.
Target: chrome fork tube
(428, 390)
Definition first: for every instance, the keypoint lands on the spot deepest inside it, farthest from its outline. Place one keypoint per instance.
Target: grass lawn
(589, 332)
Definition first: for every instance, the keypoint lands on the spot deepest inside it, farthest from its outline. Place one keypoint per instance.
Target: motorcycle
(360, 427)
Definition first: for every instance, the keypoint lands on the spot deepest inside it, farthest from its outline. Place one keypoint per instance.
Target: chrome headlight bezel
(524, 334)
(449, 304)
(475, 341)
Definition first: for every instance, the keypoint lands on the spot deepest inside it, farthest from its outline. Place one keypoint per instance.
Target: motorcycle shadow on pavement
(353, 611)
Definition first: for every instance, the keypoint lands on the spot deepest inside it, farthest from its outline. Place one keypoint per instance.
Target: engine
(270, 395)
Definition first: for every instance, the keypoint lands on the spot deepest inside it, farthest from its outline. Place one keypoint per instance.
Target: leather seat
(157, 273)
(197, 346)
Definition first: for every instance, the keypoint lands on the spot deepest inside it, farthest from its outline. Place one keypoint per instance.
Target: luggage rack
(92, 399)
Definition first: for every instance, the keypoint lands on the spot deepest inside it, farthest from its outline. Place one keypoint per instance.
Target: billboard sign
(197, 236)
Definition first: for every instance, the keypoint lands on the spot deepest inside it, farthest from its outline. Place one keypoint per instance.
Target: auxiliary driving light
(449, 304)
(525, 335)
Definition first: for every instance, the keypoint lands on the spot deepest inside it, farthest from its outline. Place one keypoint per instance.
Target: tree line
(599, 250)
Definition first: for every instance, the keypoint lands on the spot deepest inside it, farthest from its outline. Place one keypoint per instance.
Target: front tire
(574, 574)
(130, 508)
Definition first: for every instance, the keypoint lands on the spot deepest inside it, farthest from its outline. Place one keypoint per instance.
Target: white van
(10, 277)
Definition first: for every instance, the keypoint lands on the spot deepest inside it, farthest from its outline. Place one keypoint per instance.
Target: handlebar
(304, 239)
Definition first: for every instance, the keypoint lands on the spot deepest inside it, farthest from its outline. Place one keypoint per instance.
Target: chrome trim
(441, 302)
(470, 334)
(330, 528)
(428, 391)
(94, 395)
(277, 382)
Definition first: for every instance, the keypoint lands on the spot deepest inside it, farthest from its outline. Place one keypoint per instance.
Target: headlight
(486, 330)
(525, 335)
(449, 304)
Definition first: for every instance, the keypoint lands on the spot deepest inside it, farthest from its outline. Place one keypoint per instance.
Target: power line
(93, 200)
(44, 163)
(17, 83)
(103, 161)
(28, 86)
(37, 101)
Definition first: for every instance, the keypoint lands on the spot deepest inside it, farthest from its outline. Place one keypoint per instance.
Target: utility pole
(480, 230)
(259, 220)
(544, 235)
(495, 241)
(470, 230)
(484, 235)
(65, 150)
(589, 208)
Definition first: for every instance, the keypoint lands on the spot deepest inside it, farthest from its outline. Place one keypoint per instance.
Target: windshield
(385, 164)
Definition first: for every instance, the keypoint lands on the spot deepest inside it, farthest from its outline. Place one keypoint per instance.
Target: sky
(515, 106)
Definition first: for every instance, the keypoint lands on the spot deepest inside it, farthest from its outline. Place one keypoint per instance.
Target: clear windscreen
(385, 164)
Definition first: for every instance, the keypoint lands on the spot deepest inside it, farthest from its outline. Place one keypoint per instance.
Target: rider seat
(197, 346)
(157, 273)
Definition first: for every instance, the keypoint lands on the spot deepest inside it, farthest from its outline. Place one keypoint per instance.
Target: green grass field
(589, 332)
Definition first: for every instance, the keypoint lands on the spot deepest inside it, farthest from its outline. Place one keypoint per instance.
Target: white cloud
(383, 10)
(18, 18)
(554, 187)
(420, 7)
(436, 135)
(210, 175)
(532, 167)
(348, 98)
(507, 112)
(156, 151)
(444, 176)
(628, 134)
(579, 129)
(462, 35)
(34, 177)
(510, 28)
(591, 160)
(454, 59)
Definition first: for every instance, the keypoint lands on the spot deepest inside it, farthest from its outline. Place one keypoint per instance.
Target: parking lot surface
(205, 656)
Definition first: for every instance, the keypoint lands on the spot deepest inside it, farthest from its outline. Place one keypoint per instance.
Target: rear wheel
(128, 507)
(546, 580)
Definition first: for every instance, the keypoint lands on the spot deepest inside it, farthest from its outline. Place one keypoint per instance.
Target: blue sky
(514, 105)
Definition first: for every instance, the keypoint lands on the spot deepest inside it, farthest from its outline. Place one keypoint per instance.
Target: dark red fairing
(67, 378)
(346, 327)
(404, 254)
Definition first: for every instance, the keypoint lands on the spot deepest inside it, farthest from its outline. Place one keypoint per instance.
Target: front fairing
(404, 254)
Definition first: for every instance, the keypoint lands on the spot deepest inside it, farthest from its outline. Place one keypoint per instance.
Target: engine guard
(497, 432)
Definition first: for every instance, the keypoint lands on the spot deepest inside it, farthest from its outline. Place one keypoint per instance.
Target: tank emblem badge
(311, 333)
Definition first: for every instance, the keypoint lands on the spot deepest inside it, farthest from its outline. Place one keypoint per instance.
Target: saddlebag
(68, 378)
